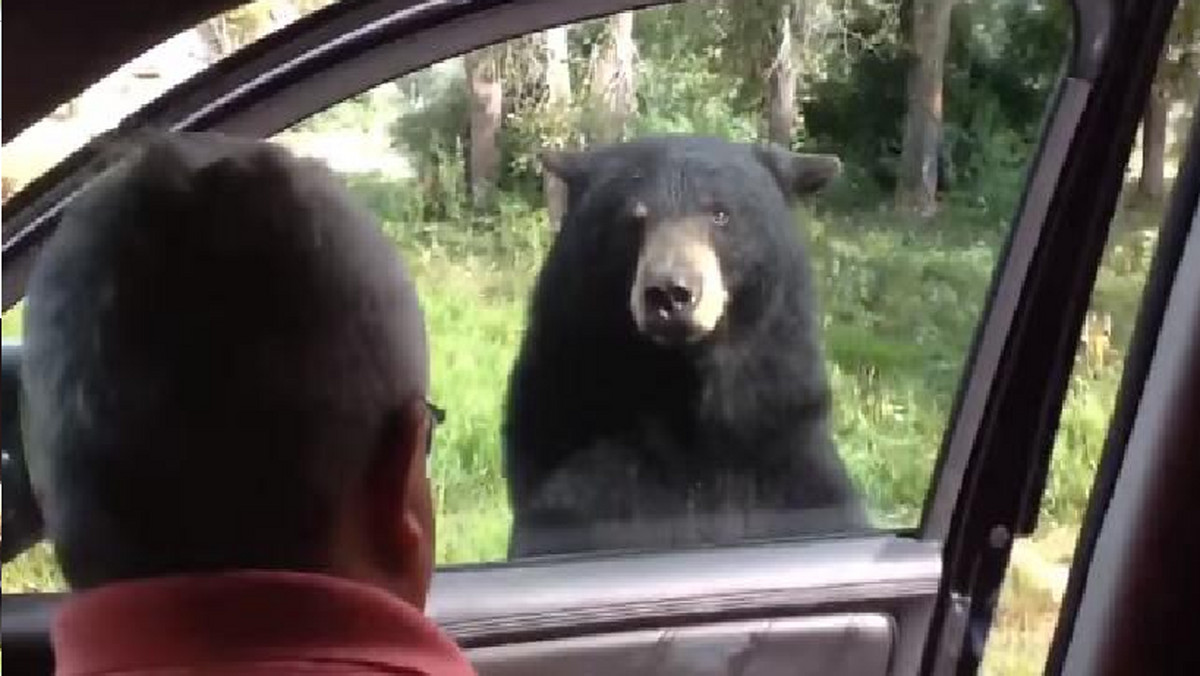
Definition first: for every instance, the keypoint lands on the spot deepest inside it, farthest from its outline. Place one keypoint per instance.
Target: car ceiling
(44, 65)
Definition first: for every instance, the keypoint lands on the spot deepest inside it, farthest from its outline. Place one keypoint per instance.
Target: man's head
(226, 368)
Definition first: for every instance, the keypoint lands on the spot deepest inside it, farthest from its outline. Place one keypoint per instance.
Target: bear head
(683, 231)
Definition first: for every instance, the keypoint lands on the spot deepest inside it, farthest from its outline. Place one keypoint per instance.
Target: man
(226, 378)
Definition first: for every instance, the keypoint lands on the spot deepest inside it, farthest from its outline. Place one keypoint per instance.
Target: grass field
(900, 302)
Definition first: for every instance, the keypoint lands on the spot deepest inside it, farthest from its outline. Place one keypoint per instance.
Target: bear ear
(798, 174)
(567, 165)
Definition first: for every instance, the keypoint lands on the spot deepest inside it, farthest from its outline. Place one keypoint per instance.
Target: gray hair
(217, 339)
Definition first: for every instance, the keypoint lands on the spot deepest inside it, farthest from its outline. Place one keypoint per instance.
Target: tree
(558, 104)
(917, 181)
(1154, 142)
(758, 52)
(781, 74)
(612, 89)
(486, 91)
(1176, 79)
(236, 28)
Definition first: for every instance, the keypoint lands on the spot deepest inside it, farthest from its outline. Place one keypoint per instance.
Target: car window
(559, 436)
(104, 104)
(1039, 566)
(882, 273)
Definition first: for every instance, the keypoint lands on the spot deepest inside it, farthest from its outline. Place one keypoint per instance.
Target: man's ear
(798, 174)
(399, 513)
(569, 166)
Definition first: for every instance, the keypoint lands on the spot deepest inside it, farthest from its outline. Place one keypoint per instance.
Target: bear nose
(670, 298)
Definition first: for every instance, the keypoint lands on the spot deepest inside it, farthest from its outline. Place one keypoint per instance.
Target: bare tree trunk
(558, 103)
(917, 182)
(487, 98)
(1151, 185)
(216, 34)
(229, 32)
(781, 78)
(613, 88)
(281, 14)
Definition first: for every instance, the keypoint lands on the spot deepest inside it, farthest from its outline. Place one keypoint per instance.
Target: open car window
(900, 255)
(447, 157)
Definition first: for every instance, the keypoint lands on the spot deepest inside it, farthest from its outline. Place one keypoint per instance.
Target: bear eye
(720, 217)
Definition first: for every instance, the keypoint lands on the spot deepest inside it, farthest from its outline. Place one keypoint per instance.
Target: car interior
(896, 602)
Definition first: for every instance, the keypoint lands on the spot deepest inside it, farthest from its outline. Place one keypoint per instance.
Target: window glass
(1040, 564)
(101, 106)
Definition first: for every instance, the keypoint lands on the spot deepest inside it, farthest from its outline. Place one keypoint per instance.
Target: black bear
(670, 388)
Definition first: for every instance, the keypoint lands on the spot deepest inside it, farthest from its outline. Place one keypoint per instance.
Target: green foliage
(1180, 66)
(689, 100)
(394, 201)
(702, 69)
(1002, 60)
(860, 112)
(432, 130)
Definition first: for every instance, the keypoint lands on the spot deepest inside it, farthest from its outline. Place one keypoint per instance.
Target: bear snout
(669, 296)
(678, 293)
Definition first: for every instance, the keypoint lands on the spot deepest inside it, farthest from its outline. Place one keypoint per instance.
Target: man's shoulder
(250, 623)
(297, 667)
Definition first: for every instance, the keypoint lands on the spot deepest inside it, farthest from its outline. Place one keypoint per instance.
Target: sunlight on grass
(33, 571)
(1029, 603)
(13, 323)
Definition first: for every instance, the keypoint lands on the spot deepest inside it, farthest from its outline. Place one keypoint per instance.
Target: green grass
(900, 303)
(33, 571)
(1028, 610)
(474, 317)
(12, 323)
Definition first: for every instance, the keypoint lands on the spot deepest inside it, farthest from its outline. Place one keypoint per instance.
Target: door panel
(485, 606)
(831, 645)
(529, 617)
(852, 606)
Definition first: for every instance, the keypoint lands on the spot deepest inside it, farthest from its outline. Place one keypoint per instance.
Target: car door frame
(1001, 428)
(1105, 88)
(1138, 548)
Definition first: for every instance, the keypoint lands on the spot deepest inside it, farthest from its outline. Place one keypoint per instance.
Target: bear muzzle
(678, 294)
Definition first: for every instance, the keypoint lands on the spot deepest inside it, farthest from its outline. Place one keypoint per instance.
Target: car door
(916, 596)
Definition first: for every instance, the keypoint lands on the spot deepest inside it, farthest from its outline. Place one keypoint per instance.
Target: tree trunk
(916, 186)
(487, 97)
(781, 80)
(1154, 144)
(216, 34)
(558, 104)
(613, 91)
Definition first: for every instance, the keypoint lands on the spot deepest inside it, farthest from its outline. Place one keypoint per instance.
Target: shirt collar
(246, 616)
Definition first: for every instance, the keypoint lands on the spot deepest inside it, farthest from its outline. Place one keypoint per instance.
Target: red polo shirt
(250, 623)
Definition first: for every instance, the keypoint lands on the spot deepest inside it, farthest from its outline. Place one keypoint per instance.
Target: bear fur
(616, 438)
